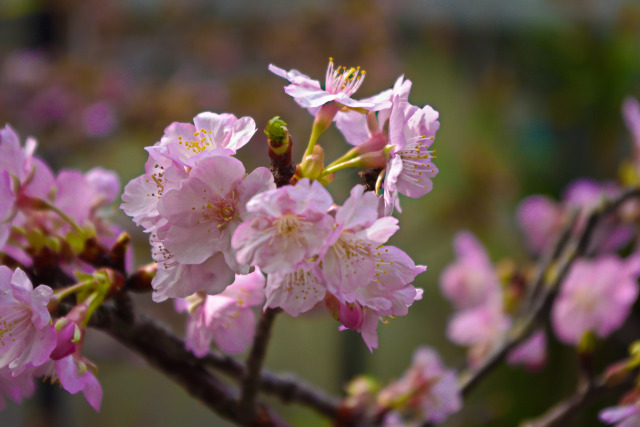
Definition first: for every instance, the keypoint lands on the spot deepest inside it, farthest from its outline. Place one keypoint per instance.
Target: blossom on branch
(596, 296)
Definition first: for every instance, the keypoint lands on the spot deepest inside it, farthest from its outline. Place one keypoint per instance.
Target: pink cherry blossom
(596, 296)
(75, 374)
(176, 280)
(226, 318)
(359, 129)
(340, 84)
(471, 280)
(33, 176)
(631, 114)
(427, 389)
(410, 167)
(387, 295)
(204, 211)
(541, 219)
(622, 415)
(287, 226)
(480, 328)
(26, 334)
(532, 353)
(348, 261)
(171, 159)
(297, 291)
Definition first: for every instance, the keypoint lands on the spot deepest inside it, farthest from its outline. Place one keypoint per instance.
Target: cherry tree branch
(587, 391)
(251, 376)
(550, 274)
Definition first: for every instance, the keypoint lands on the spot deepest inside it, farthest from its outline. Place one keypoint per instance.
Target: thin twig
(566, 410)
(251, 377)
(288, 389)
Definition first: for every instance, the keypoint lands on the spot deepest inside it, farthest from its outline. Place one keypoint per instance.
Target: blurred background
(529, 95)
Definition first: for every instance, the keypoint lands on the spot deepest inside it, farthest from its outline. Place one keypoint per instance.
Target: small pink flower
(75, 374)
(631, 114)
(596, 296)
(410, 167)
(340, 84)
(26, 334)
(471, 280)
(226, 318)
(426, 389)
(287, 226)
(479, 328)
(187, 143)
(170, 160)
(541, 218)
(34, 177)
(532, 353)
(622, 415)
(176, 280)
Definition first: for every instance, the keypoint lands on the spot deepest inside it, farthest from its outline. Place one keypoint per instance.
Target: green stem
(62, 215)
(353, 163)
(61, 294)
(316, 131)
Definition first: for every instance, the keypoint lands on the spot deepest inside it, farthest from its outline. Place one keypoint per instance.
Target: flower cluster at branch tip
(210, 222)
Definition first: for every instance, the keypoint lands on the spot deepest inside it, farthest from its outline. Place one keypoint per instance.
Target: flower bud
(313, 165)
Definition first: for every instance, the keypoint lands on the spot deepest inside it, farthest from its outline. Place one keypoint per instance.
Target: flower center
(342, 79)
(221, 210)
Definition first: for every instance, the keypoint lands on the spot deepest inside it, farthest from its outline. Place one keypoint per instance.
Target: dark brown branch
(251, 376)
(565, 411)
(287, 389)
(168, 354)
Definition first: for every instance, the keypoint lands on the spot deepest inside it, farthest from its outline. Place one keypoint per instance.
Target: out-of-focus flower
(226, 318)
(595, 297)
(471, 280)
(427, 389)
(479, 328)
(541, 218)
(99, 119)
(532, 353)
(626, 414)
(631, 114)
(27, 336)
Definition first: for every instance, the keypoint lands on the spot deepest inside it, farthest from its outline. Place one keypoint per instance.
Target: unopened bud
(313, 165)
(325, 116)
(140, 281)
(280, 148)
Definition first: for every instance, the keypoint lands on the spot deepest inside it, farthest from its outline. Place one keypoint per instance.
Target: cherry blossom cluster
(53, 226)
(211, 223)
